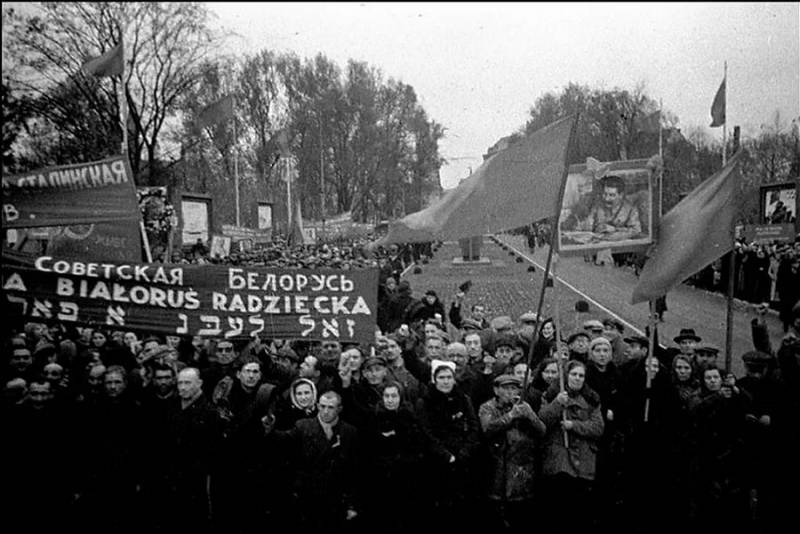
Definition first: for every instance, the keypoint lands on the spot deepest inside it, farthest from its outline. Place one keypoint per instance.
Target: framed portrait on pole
(607, 206)
(779, 203)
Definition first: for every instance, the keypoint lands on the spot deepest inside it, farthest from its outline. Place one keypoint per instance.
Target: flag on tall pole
(693, 234)
(718, 106)
(111, 63)
(514, 187)
(216, 112)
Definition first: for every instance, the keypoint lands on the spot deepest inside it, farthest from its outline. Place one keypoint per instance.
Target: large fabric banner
(85, 193)
(90, 210)
(516, 186)
(206, 300)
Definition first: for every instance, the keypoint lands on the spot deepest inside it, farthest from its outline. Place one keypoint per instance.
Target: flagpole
(123, 101)
(288, 170)
(732, 259)
(553, 240)
(236, 165)
(651, 342)
(557, 339)
(725, 122)
(661, 157)
(123, 122)
(550, 258)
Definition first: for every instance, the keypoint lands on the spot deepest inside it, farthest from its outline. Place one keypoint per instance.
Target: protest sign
(205, 300)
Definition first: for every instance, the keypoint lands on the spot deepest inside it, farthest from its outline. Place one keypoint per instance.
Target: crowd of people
(763, 273)
(448, 419)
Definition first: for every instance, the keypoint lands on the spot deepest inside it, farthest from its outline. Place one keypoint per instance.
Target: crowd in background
(448, 419)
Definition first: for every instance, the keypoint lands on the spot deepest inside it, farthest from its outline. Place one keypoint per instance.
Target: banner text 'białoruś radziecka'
(206, 300)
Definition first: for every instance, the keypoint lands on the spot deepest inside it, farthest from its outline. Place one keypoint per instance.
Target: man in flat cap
(594, 328)
(513, 431)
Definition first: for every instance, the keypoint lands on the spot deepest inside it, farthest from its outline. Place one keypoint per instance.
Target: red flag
(109, 64)
(693, 234)
(651, 123)
(514, 187)
(219, 111)
(718, 107)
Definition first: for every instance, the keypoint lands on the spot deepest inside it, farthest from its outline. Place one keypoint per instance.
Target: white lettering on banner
(42, 309)
(184, 328)
(286, 281)
(302, 282)
(237, 326)
(239, 279)
(330, 328)
(347, 285)
(14, 283)
(10, 212)
(18, 300)
(319, 282)
(258, 321)
(211, 326)
(78, 177)
(141, 273)
(69, 311)
(288, 304)
(142, 295)
(309, 323)
(272, 304)
(115, 315)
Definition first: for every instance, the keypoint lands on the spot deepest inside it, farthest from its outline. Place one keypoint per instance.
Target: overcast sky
(477, 68)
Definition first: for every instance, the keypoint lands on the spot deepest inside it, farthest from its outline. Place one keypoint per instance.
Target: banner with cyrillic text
(85, 193)
(205, 300)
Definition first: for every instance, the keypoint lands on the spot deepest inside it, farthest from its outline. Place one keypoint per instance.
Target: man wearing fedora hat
(687, 342)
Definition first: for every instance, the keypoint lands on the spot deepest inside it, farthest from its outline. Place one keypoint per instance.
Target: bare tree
(165, 43)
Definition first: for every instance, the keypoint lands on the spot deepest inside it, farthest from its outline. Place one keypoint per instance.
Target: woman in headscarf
(574, 428)
(302, 402)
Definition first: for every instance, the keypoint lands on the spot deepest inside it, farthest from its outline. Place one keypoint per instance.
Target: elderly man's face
(474, 347)
(433, 348)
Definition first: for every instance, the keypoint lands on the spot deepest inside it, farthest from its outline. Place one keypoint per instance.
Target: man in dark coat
(194, 445)
(326, 466)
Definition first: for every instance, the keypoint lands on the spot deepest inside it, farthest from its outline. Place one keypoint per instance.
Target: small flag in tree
(219, 111)
(718, 107)
(108, 64)
(651, 123)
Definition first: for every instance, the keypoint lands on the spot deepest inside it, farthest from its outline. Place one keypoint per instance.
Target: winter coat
(451, 428)
(420, 311)
(579, 459)
(394, 443)
(326, 471)
(450, 423)
(513, 451)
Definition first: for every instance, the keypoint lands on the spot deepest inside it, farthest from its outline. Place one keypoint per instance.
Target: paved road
(506, 287)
